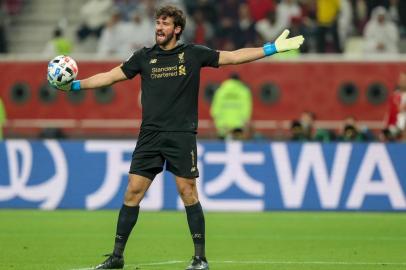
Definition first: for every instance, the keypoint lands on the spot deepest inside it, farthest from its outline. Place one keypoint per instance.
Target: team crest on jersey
(153, 61)
(182, 70)
(181, 57)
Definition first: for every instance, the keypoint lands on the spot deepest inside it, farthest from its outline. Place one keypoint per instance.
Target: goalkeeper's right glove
(65, 87)
(283, 44)
(73, 86)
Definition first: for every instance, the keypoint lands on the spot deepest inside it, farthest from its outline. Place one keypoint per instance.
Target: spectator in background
(360, 11)
(59, 44)
(94, 14)
(401, 121)
(268, 28)
(111, 37)
(389, 135)
(296, 131)
(286, 11)
(126, 8)
(231, 108)
(207, 7)
(350, 131)
(345, 20)
(309, 25)
(402, 16)
(302, 129)
(121, 38)
(324, 135)
(372, 4)
(391, 117)
(203, 31)
(327, 24)
(259, 9)
(297, 25)
(366, 134)
(381, 34)
(139, 31)
(227, 27)
(307, 122)
(393, 11)
(246, 35)
(3, 118)
(3, 30)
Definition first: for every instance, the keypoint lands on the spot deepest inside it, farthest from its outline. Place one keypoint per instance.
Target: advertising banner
(234, 176)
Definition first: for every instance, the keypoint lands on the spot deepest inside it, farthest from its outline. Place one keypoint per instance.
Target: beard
(166, 40)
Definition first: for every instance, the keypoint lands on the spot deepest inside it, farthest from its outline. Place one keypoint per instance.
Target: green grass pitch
(67, 240)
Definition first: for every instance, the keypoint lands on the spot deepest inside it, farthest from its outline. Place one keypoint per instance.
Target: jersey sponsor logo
(153, 61)
(166, 72)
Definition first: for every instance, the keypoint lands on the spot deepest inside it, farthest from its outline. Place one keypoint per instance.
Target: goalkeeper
(170, 75)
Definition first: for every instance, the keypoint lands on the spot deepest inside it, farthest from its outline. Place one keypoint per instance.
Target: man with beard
(170, 75)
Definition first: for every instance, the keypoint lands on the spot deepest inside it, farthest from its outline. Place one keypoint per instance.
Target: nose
(158, 26)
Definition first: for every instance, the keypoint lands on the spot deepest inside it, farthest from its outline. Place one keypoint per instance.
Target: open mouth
(160, 35)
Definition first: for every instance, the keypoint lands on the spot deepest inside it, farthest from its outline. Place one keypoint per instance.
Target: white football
(62, 70)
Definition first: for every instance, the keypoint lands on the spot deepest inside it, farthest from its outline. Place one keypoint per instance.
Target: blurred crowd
(125, 25)
(303, 129)
(329, 26)
(8, 8)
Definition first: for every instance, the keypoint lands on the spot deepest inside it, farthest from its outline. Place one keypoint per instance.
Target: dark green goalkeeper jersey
(170, 84)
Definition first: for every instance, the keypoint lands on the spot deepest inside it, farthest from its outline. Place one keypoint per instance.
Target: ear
(177, 29)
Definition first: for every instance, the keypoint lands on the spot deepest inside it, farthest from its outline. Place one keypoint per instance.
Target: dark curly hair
(179, 18)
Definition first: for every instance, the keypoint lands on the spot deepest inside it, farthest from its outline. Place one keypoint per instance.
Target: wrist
(269, 49)
(75, 85)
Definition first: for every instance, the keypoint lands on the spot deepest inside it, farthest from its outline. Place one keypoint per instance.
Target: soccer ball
(62, 70)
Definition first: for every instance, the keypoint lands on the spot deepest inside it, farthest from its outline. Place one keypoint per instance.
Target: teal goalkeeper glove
(283, 43)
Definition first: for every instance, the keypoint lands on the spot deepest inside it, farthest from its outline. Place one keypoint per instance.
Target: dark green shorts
(155, 148)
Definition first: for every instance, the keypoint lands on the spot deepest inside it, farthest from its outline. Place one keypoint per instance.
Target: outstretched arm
(246, 55)
(97, 81)
(103, 79)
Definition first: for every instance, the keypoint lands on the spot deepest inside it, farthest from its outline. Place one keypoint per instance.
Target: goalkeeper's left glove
(283, 43)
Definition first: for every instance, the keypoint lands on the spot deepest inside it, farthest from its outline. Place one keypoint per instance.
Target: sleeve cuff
(75, 86)
(269, 49)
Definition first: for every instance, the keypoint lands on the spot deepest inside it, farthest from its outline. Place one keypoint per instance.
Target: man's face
(165, 30)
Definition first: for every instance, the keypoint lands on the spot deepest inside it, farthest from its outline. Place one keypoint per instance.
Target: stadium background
(72, 151)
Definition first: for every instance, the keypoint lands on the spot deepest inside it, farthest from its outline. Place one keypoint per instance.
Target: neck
(170, 45)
